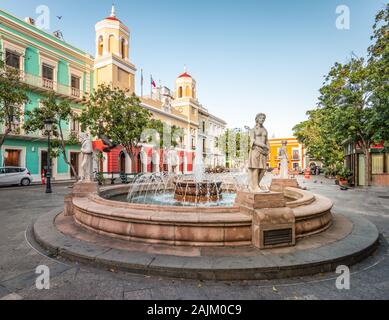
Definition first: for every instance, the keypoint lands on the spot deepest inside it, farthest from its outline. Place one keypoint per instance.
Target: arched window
(111, 43)
(123, 48)
(139, 166)
(180, 92)
(122, 164)
(187, 91)
(100, 46)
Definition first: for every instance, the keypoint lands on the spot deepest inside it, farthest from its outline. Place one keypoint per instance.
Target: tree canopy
(60, 112)
(117, 115)
(353, 104)
(13, 96)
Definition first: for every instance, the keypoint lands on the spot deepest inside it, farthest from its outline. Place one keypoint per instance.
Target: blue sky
(247, 56)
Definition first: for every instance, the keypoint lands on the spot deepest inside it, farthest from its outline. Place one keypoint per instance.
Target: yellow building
(295, 150)
(112, 62)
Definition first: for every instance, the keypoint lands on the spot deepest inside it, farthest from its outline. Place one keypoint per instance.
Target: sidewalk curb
(361, 243)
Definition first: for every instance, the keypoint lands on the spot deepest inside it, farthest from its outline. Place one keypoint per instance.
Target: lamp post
(48, 128)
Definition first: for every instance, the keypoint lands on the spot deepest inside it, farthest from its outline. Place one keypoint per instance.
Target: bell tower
(112, 62)
(185, 87)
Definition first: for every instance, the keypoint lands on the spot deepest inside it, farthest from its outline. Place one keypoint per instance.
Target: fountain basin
(197, 192)
(189, 225)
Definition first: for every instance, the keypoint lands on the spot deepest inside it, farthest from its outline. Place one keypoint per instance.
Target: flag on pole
(153, 84)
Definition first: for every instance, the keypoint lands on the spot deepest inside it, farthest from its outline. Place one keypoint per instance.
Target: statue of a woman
(284, 161)
(259, 153)
(87, 158)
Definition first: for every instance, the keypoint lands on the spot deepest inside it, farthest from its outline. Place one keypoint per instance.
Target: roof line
(35, 29)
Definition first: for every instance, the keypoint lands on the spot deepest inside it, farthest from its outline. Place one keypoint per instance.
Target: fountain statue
(259, 153)
(283, 180)
(284, 161)
(87, 158)
(86, 185)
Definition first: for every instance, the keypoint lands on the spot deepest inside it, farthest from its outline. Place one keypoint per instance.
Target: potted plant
(99, 156)
(343, 176)
(100, 178)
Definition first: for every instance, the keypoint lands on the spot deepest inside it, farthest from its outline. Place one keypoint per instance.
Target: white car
(15, 175)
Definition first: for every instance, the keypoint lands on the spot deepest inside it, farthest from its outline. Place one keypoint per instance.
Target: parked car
(15, 175)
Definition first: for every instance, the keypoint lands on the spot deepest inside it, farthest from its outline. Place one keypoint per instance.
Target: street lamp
(48, 128)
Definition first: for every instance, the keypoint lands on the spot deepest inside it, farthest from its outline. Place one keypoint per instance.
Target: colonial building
(295, 150)
(46, 63)
(180, 108)
(379, 167)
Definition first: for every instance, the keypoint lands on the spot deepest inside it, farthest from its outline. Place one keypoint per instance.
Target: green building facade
(46, 63)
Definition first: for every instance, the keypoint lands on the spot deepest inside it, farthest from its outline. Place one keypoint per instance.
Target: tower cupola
(185, 87)
(112, 64)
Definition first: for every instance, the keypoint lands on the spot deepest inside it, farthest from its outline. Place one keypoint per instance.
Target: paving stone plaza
(207, 154)
(21, 255)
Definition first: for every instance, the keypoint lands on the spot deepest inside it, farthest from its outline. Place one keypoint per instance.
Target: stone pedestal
(68, 205)
(80, 190)
(248, 201)
(273, 227)
(83, 189)
(273, 224)
(279, 185)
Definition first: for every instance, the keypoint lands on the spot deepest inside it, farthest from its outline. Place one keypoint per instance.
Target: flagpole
(141, 84)
(159, 90)
(151, 87)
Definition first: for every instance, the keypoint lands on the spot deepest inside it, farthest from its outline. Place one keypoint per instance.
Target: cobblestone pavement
(18, 259)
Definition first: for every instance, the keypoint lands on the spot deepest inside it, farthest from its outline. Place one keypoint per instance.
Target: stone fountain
(195, 222)
(197, 189)
(205, 209)
(198, 192)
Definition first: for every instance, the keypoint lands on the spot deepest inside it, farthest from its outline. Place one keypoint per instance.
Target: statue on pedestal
(284, 161)
(87, 158)
(259, 153)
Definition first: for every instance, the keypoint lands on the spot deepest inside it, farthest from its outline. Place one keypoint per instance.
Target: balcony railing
(75, 92)
(47, 84)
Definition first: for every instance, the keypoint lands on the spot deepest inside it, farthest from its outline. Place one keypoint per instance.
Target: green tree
(13, 95)
(353, 103)
(59, 112)
(316, 135)
(352, 114)
(345, 112)
(379, 75)
(118, 116)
